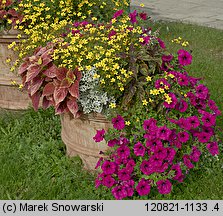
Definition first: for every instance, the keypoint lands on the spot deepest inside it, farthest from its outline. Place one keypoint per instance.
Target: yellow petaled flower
(185, 43)
(166, 87)
(94, 18)
(13, 82)
(141, 40)
(171, 76)
(148, 78)
(142, 5)
(102, 81)
(96, 76)
(20, 86)
(127, 123)
(161, 90)
(144, 102)
(150, 100)
(8, 60)
(112, 105)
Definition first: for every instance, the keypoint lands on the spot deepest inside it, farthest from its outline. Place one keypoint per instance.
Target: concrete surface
(202, 12)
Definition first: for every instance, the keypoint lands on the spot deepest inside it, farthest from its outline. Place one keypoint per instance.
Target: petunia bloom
(143, 187)
(139, 149)
(164, 186)
(184, 57)
(99, 135)
(213, 148)
(118, 122)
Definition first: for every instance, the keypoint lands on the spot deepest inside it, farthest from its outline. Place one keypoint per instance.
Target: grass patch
(32, 155)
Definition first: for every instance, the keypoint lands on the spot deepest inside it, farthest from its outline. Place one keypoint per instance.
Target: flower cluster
(173, 129)
(92, 98)
(9, 17)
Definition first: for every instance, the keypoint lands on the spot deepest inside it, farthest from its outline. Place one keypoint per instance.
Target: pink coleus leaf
(78, 74)
(72, 106)
(46, 103)
(65, 83)
(61, 108)
(51, 72)
(59, 95)
(32, 72)
(61, 73)
(23, 67)
(70, 75)
(35, 85)
(35, 100)
(48, 89)
(74, 89)
(46, 59)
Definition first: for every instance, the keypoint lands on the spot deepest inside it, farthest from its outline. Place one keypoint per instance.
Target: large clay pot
(10, 96)
(77, 134)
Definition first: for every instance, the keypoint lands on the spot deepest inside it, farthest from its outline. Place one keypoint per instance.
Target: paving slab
(202, 12)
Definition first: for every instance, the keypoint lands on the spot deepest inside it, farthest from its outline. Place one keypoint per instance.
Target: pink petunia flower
(195, 154)
(119, 192)
(182, 106)
(202, 92)
(143, 187)
(184, 57)
(213, 148)
(99, 135)
(108, 181)
(118, 122)
(139, 149)
(117, 14)
(164, 132)
(108, 167)
(123, 152)
(124, 174)
(183, 136)
(143, 16)
(164, 186)
(187, 162)
(133, 16)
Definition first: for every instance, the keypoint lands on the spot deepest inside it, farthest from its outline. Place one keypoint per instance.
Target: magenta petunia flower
(124, 174)
(150, 125)
(111, 33)
(178, 173)
(213, 148)
(154, 144)
(183, 136)
(99, 135)
(143, 16)
(164, 186)
(108, 181)
(173, 103)
(108, 167)
(123, 152)
(99, 162)
(171, 152)
(133, 16)
(208, 119)
(161, 83)
(129, 186)
(130, 165)
(182, 106)
(182, 80)
(164, 132)
(160, 152)
(167, 58)
(193, 122)
(182, 122)
(143, 187)
(150, 135)
(156, 162)
(113, 142)
(97, 182)
(119, 192)
(203, 137)
(187, 162)
(123, 141)
(146, 40)
(184, 57)
(208, 130)
(195, 154)
(146, 167)
(139, 149)
(117, 14)
(202, 92)
(118, 122)
(161, 43)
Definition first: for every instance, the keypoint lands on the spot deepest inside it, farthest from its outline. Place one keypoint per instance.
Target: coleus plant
(58, 87)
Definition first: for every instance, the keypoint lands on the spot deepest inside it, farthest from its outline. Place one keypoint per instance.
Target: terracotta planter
(77, 134)
(10, 96)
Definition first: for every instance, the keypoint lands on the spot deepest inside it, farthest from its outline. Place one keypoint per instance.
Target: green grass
(32, 156)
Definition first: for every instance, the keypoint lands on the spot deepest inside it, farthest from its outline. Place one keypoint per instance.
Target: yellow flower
(13, 82)
(144, 102)
(142, 5)
(20, 86)
(112, 105)
(8, 60)
(148, 78)
(127, 123)
(96, 76)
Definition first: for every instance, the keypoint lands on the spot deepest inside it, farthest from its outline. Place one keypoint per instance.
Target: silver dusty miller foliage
(92, 98)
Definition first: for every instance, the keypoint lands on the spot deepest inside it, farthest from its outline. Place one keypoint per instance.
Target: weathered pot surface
(77, 134)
